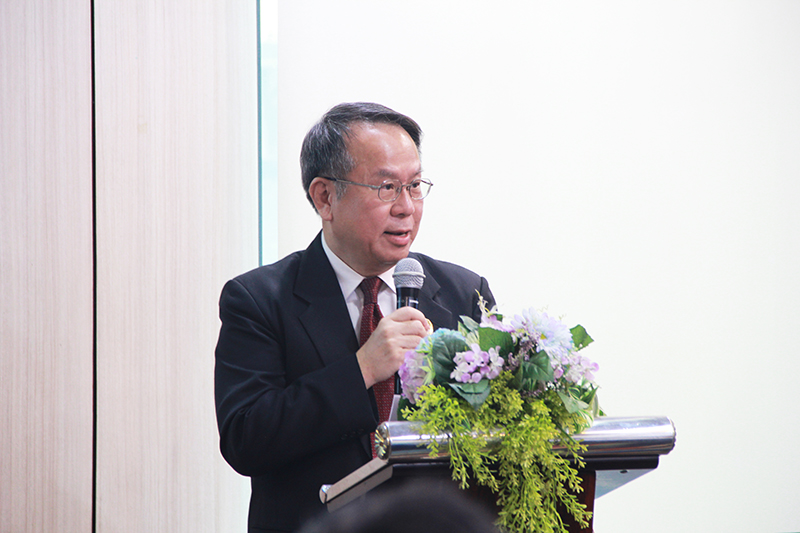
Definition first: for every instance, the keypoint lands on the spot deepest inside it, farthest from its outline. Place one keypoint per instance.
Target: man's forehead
(388, 173)
(368, 141)
(359, 131)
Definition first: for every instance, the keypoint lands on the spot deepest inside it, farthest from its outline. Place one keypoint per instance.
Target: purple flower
(491, 321)
(413, 374)
(475, 365)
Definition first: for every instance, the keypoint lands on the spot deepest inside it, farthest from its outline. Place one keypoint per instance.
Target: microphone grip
(406, 297)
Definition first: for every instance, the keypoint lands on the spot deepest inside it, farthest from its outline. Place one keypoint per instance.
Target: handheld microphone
(408, 279)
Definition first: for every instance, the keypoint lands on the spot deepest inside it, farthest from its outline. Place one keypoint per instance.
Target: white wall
(633, 166)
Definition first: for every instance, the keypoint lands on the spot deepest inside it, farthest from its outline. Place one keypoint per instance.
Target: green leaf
(467, 325)
(585, 394)
(402, 405)
(595, 406)
(588, 395)
(580, 338)
(536, 368)
(449, 341)
(474, 393)
(572, 404)
(446, 344)
(470, 329)
(492, 338)
(442, 368)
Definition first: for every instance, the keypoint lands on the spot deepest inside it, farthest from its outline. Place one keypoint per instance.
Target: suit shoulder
(455, 288)
(270, 278)
(439, 268)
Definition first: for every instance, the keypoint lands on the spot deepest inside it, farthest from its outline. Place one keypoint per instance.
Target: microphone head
(408, 274)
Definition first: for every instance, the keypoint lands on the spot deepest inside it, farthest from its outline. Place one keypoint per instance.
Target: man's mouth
(399, 238)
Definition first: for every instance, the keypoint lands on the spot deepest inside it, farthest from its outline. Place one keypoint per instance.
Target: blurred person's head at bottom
(413, 507)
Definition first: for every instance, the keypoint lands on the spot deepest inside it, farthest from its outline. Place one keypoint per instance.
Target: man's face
(368, 234)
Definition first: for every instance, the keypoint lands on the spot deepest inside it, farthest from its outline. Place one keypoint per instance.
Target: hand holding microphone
(400, 331)
(408, 279)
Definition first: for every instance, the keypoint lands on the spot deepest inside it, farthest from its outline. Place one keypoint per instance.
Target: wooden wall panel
(46, 275)
(176, 217)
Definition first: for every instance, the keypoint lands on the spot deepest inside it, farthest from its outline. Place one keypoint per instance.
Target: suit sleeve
(265, 420)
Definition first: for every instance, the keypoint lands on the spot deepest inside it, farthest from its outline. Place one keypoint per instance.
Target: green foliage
(403, 406)
(467, 325)
(444, 345)
(580, 338)
(536, 369)
(529, 477)
(474, 393)
(540, 367)
(493, 338)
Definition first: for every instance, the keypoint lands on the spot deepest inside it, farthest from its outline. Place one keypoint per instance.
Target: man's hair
(324, 151)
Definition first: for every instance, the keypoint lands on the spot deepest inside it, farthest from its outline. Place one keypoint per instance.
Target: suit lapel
(326, 319)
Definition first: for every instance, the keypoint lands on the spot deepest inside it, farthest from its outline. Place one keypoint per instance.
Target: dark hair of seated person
(414, 507)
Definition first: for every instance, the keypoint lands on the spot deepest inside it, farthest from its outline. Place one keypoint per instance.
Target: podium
(618, 450)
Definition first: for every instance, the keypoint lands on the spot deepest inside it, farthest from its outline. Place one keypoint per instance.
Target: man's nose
(404, 203)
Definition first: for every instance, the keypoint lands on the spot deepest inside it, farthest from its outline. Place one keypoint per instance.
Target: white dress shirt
(349, 280)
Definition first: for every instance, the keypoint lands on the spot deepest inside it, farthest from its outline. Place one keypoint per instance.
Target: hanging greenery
(509, 396)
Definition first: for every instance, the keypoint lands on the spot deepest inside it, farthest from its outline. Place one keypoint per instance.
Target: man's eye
(388, 186)
(415, 185)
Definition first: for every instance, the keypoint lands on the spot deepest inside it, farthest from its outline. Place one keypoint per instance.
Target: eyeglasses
(390, 190)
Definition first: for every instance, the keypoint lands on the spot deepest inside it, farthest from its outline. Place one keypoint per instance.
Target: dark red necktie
(370, 316)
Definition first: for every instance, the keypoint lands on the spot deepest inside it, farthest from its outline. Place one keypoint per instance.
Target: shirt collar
(349, 279)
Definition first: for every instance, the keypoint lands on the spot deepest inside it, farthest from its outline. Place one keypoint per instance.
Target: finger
(407, 313)
(411, 315)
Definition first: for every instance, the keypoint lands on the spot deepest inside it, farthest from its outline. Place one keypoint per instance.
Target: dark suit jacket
(292, 408)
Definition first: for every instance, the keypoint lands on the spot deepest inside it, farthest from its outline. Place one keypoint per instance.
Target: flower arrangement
(523, 379)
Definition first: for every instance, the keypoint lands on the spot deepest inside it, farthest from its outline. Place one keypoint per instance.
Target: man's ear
(322, 193)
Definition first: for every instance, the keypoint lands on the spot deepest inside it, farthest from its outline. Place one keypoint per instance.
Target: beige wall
(174, 215)
(45, 267)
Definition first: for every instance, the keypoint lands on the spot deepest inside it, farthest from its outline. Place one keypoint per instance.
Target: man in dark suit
(294, 388)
